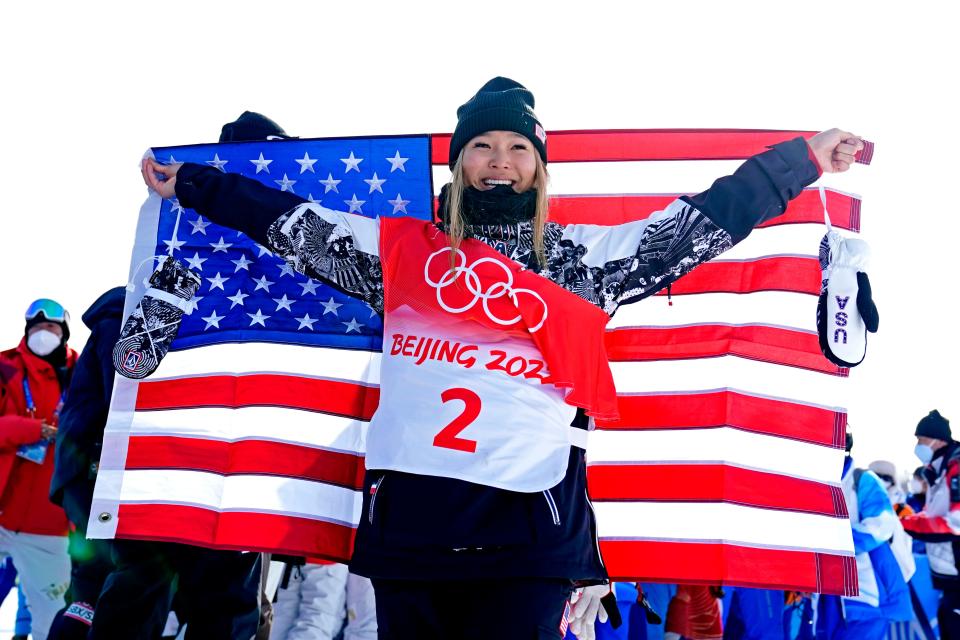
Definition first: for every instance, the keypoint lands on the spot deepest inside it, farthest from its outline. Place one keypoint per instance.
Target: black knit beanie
(251, 126)
(501, 104)
(934, 425)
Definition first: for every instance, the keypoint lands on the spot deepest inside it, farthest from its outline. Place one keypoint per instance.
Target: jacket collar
(36, 364)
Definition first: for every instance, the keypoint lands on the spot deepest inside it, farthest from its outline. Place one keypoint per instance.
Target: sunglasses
(51, 310)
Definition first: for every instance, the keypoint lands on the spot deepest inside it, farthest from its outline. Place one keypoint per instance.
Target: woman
(475, 501)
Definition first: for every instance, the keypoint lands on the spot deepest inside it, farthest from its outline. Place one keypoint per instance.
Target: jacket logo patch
(131, 361)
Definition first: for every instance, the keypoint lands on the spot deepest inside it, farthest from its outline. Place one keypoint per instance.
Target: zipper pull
(650, 613)
(669, 298)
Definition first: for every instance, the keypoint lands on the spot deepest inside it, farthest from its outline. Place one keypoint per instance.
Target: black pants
(218, 592)
(518, 609)
(948, 616)
(91, 562)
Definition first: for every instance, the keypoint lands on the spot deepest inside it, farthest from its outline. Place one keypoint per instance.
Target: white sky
(87, 88)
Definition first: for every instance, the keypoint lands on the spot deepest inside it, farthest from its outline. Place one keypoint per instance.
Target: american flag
(723, 468)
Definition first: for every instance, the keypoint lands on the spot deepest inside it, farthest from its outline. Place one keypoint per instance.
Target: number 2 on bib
(447, 438)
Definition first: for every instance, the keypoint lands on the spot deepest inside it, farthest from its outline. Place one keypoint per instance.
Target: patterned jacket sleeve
(618, 265)
(340, 249)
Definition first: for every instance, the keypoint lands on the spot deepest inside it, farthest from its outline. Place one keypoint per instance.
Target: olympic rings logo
(495, 290)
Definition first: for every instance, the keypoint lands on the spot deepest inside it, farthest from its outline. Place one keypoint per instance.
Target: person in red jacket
(33, 531)
(694, 614)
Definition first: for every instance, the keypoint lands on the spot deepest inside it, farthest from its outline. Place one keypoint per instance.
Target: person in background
(694, 614)
(8, 581)
(798, 615)
(218, 591)
(887, 472)
(917, 490)
(884, 596)
(34, 377)
(323, 601)
(754, 614)
(917, 498)
(79, 439)
(938, 525)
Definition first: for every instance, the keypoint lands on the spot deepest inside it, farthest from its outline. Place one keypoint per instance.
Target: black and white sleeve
(339, 249)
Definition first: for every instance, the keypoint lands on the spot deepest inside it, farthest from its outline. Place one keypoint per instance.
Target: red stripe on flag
(619, 209)
(795, 274)
(711, 483)
(652, 144)
(246, 457)
(728, 564)
(724, 407)
(261, 389)
(756, 342)
(238, 530)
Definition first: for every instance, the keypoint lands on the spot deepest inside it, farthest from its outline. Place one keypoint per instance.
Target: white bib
(470, 407)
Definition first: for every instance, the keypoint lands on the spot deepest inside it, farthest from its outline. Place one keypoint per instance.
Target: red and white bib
(483, 366)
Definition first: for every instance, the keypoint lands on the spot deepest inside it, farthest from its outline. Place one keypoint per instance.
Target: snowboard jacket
(24, 504)
(427, 527)
(84, 413)
(883, 590)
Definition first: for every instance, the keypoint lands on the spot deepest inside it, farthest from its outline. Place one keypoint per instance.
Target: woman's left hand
(48, 432)
(835, 149)
(152, 170)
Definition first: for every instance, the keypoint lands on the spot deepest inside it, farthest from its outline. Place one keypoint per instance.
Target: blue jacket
(883, 591)
(84, 413)
(754, 614)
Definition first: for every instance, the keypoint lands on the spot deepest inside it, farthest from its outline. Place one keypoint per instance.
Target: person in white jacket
(319, 601)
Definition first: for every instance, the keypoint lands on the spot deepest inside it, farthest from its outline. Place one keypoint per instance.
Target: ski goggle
(50, 309)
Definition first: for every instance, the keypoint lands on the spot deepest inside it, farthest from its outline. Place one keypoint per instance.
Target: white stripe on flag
(729, 372)
(722, 445)
(723, 522)
(274, 424)
(256, 493)
(262, 357)
(772, 308)
(787, 239)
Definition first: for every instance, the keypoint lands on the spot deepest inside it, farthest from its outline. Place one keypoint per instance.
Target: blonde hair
(454, 214)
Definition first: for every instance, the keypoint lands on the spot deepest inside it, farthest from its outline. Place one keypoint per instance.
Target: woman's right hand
(152, 171)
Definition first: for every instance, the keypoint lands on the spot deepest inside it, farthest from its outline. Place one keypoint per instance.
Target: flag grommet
(105, 516)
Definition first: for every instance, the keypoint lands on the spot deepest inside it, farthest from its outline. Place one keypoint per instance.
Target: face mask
(915, 487)
(43, 342)
(500, 205)
(924, 452)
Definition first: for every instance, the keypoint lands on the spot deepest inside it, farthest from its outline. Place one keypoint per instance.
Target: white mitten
(845, 309)
(586, 610)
